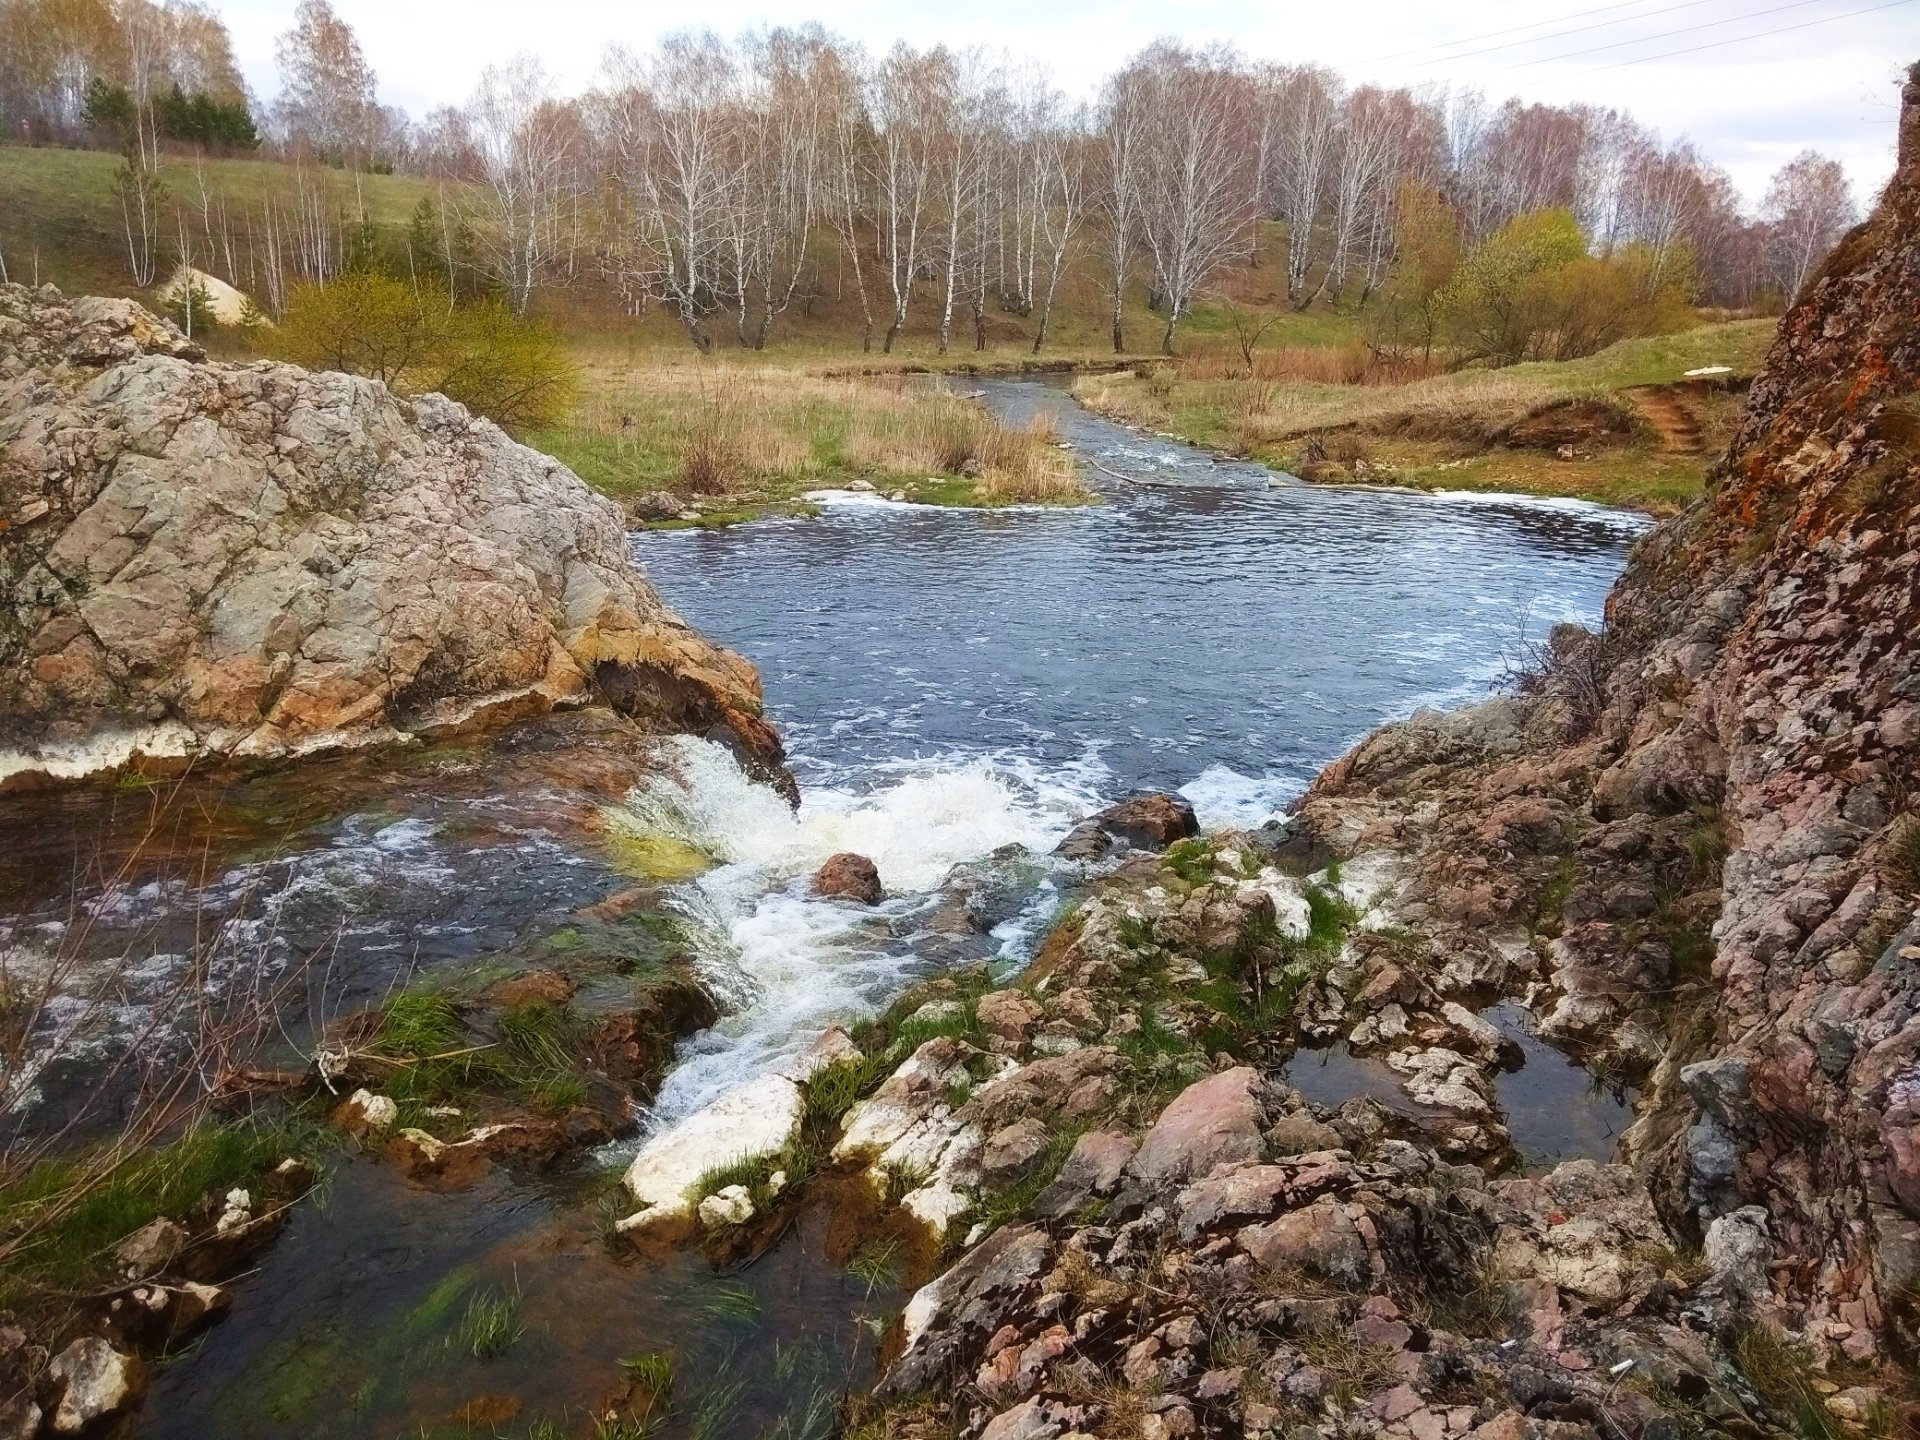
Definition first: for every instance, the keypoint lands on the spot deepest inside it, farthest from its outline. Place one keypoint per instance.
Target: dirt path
(1664, 407)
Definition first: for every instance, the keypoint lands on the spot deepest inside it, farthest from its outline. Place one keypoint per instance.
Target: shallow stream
(951, 683)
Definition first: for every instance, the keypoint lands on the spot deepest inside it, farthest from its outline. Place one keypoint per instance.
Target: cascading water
(956, 687)
(785, 962)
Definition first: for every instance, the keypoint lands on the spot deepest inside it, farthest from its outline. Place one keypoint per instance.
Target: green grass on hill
(59, 219)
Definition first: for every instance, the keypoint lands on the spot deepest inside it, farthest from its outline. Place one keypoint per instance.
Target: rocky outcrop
(257, 561)
(1698, 839)
(847, 876)
(1140, 822)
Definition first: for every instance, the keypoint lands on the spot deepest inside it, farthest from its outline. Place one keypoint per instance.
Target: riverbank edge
(1409, 473)
(959, 492)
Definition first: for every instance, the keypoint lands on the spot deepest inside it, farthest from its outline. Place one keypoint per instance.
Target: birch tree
(1060, 162)
(526, 144)
(1196, 214)
(907, 96)
(1808, 206)
(1123, 138)
(1309, 119)
(327, 96)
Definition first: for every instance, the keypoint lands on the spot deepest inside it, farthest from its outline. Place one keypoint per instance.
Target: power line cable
(1496, 34)
(1738, 39)
(1664, 34)
(1562, 34)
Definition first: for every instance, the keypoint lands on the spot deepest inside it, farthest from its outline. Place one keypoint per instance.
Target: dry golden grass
(762, 432)
(1292, 394)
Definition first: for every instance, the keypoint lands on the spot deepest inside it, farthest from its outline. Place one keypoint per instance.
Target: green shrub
(1531, 291)
(418, 340)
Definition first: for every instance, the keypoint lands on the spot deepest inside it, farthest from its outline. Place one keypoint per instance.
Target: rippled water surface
(951, 681)
(1201, 629)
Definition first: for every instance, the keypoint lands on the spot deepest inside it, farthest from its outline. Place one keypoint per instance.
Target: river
(951, 683)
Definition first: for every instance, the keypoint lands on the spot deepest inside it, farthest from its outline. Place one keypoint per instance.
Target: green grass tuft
(652, 1371)
(491, 1324)
(71, 1251)
(1192, 859)
(877, 1263)
(1329, 918)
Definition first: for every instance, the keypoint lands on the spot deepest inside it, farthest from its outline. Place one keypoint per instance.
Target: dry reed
(716, 430)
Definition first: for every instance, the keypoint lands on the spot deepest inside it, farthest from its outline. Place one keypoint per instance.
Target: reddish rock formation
(1712, 811)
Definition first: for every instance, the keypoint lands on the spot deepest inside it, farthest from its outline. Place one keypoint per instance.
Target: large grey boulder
(256, 560)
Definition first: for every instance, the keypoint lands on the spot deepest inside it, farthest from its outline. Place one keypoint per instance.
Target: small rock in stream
(847, 876)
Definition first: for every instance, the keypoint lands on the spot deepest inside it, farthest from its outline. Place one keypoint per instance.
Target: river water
(951, 684)
(950, 681)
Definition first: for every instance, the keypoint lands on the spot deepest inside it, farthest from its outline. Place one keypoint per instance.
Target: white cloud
(1751, 105)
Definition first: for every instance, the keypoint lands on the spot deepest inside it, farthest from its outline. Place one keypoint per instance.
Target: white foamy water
(788, 964)
(1224, 799)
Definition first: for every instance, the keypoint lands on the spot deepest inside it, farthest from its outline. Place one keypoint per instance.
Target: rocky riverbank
(1688, 846)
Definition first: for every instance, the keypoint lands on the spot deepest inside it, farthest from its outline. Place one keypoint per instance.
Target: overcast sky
(1750, 99)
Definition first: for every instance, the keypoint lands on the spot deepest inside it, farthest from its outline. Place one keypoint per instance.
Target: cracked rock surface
(257, 560)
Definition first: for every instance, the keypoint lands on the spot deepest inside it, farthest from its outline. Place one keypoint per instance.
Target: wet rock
(236, 1213)
(729, 1205)
(754, 1120)
(654, 505)
(994, 890)
(833, 1047)
(847, 876)
(453, 1165)
(1211, 1122)
(94, 1382)
(365, 1113)
(194, 1305)
(1443, 1079)
(1142, 822)
(536, 987)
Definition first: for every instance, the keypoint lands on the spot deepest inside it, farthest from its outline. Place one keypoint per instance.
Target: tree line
(725, 182)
